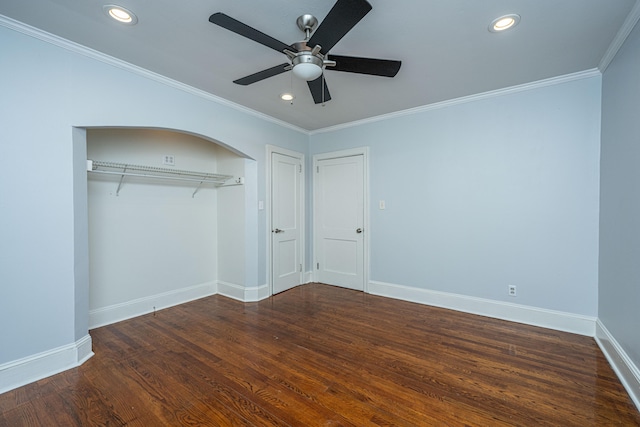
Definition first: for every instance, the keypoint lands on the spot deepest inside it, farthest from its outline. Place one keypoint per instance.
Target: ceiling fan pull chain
(291, 87)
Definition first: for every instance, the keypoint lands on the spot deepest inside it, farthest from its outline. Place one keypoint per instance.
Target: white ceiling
(444, 45)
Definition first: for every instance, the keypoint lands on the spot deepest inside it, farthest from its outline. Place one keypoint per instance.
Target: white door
(286, 209)
(339, 221)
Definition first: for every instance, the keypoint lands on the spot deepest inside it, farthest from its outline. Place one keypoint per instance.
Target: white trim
(231, 290)
(551, 319)
(466, 99)
(42, 365)
(308, 277)
(270, 149)
(94, 54)
(242, 294)
(84, 349)
(358, 151)
(621, 37)
(256, 293)
(102, 57)
(623, 366)
(137, 307)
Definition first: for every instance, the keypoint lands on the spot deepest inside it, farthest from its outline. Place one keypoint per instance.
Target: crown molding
(467, 99)
(624, 31)
(23, 28)
(69, 45)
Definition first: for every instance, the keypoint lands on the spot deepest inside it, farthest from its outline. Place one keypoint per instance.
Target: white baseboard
(241, 293)
(127, 310)
(308, 277)
(558, 320)
(621, 363)
(257, 293)
(42, 365)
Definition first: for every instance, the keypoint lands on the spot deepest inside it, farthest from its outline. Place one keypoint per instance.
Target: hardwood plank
(149, 372)
(24, 415)
(321, 355)
(234, 376)
(328, 387)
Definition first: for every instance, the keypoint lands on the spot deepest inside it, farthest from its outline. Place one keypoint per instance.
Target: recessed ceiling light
(286, 97)
(504, 23)
(120, 14)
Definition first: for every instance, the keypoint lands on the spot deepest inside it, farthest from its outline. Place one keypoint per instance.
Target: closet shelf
(126, 169)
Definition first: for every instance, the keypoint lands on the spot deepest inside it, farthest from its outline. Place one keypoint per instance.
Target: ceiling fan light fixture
(307, 67)
(504, 23)
(120, 14)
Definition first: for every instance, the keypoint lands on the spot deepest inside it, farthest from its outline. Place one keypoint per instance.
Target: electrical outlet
(512, 290)
(168, 160)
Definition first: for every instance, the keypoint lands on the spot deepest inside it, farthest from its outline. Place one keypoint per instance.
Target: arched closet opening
(156, 241)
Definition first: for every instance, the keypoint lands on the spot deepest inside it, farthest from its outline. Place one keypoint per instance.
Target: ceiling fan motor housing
(306, 58)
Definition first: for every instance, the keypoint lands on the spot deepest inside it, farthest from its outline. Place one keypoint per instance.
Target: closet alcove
(155, 242)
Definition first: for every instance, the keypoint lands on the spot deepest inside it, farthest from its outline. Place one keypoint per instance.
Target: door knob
(359, 230)
(277, 230)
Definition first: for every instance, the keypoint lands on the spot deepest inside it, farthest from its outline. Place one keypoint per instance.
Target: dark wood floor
(320, 355)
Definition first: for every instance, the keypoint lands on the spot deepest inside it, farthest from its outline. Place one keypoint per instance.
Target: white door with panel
(339, 221)
(286, 219)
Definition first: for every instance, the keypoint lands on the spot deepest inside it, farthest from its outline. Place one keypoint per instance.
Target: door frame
(271, 149)
(366, 252)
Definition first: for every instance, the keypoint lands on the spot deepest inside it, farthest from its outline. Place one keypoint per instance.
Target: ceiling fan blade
(375, 67)
(238, 27)
(317, 87)
(342, 17)
(264, 74)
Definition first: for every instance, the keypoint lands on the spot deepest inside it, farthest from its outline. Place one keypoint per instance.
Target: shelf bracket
(197, 188)
(124, 171)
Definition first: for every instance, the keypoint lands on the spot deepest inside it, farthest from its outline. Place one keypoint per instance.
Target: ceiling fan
(309, 57)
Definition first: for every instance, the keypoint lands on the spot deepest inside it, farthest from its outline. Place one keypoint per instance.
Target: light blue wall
(46, 92)
(479, 195)
(483, 194)
(619, 293)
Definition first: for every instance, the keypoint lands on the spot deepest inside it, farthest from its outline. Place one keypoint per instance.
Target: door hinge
(317, 169)
(317, 266)
(300, 268)
(299, 168)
